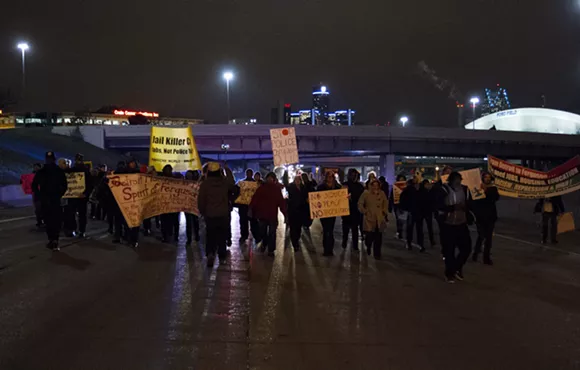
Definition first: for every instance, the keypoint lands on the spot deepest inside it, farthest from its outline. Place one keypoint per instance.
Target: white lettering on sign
(284, 147)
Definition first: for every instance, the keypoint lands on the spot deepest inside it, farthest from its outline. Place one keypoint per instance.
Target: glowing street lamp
(474, 101)
(404, 120)
(23, 48)
(228, 76)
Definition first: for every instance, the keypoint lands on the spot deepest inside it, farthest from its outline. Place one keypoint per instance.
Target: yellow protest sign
(7, 122)
(330, 203)
(173, 146)
(142, 196)
(76, 183)
(247, 190)
(284, 147)
(566, 223)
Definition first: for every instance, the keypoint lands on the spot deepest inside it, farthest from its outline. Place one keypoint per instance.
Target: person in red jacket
(264, 207)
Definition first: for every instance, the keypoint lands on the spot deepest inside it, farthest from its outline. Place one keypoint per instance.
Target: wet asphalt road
(95, 305)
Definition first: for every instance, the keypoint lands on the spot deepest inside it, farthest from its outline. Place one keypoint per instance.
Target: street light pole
(23, 48)
(474, 102)
(228, 76)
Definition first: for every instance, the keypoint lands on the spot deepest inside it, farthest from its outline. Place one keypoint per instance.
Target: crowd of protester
(370, 203)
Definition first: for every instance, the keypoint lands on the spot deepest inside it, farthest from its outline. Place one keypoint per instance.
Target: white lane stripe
(15, 219)
(536, 244)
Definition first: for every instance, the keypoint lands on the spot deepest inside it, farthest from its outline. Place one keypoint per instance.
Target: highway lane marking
(537, 245)
(15, 219)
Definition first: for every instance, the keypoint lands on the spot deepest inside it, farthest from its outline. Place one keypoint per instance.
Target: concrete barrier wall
(13, 196)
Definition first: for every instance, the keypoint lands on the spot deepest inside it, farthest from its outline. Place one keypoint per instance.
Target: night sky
(168, 56)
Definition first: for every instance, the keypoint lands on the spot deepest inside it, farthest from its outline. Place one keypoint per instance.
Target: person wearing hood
(352, 222)
(214, 205)
(50, 184)
(328, 223)
(264, 206)
(296, 206)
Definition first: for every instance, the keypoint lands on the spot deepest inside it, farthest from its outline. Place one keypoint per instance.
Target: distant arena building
(541, 120)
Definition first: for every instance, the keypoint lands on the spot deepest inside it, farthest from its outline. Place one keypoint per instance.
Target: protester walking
(213, 203)
(485, 212)
(455, 217)
(131, 234)
(411, 204)
(296, 208)
(352, 222)
(148, 222)
(36, 200)
(310, 186)
(550, 208)
(372, 176)
(78, 206)
(427, 208)
(191, 220)
(168, 219)
(264, 206)
(396, 210)
(50, 184)
(245, 220)
(328, 223)
(373, 206)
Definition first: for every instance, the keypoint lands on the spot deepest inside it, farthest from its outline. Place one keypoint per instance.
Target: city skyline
(176, 70)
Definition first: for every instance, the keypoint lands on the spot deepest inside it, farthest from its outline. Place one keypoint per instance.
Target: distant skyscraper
(321, 104)
(495, 101)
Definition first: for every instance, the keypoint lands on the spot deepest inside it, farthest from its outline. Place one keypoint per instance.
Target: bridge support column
(387, 167)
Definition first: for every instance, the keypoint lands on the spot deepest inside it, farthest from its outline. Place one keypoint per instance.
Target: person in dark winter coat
(329, 222)
(310, 186)
(214, 205)
(168, 220)
(427, 206)
(79, 205)
(264, 207)
(550, 208)
(411, 204)
(50, 184)
(485, 213)
(131, 234)
(352, 222)
(296, 208)
(455, 218)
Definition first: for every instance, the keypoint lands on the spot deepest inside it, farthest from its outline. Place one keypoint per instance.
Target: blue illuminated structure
(495, 101)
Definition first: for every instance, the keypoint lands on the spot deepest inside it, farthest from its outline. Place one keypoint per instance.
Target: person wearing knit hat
(214, 205)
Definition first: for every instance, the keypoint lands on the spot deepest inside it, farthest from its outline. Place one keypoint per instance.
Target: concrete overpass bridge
(253, 142)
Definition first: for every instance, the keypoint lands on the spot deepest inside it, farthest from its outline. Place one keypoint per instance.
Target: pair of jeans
(216, 232)
(455, 237)
(414, 222)
(328, 234)
(350, 224)
(192, 226)
(374, 240)
(78, 206)
(52, 214)
(484, 236)
(268, 232)
(549, 219)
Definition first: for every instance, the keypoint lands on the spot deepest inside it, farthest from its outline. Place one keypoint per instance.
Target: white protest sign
(329, 203)
(284, 146)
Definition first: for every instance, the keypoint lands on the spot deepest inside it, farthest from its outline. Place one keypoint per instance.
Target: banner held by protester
(329, 203)
(247, 190)
(522, 182)
(173, 146)
(284, 147)
(142, 196)
(76, 183)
